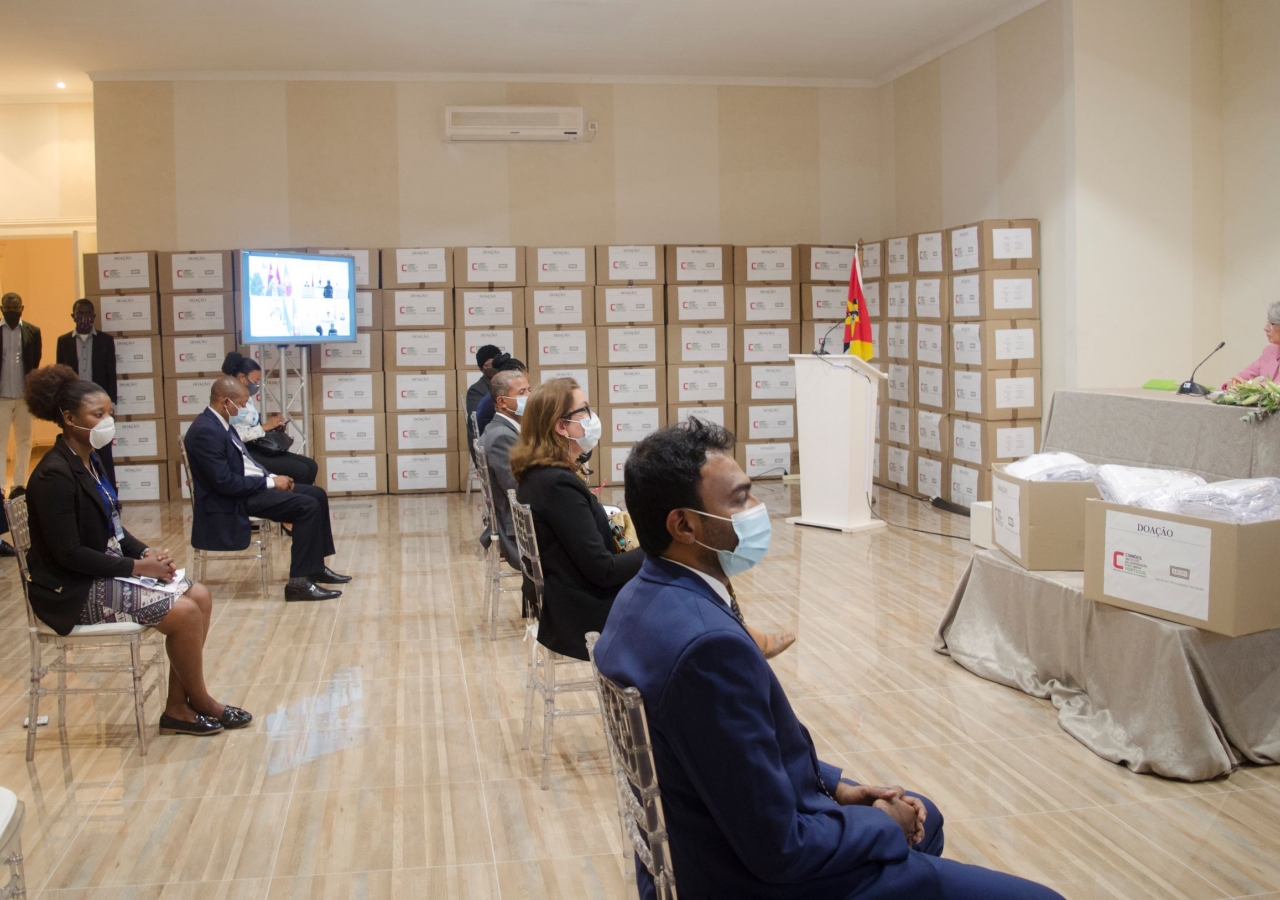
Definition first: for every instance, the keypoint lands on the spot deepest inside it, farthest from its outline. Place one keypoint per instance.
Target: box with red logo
(827, 336)
(426, 349)
(587, 379)
(631, 345)
(765, 303)
(410, 268)
(820, 302)
(693, 383)
(414, 310)
(137, 356)
(929, 299)
(829, 263)
(766, 265)
(610, 462)
(628, 424)
(195, 354)
(195, 271)
(488, 267)
(899, 425)
(900, 469)
(994, 244)
(126, 315)
(766, 422)
(426, 473)
(347, 474)
(996, 396)
(765, 343)
(631, 264)
(140, 441)
(709, 343)
(1040, 524)
(350, 433)
(562, 347)
(879, 465)
(897, 301)
(210, 313)
(1008, 345)
(928, 254)
(354, 392)
(560, 266)
(765, 382)
(630, 305)
(1012, 294)
(632, 386)
(186, 398)
(120, 273)
(699, 263)
(369, 306)
(768, 460)
(499, 308)
(1199, 572)
(931, 475)
(559, 306)
(980, 444)
(423, 432)
(468, 340)
(142, 483)
(871, 260)
(715, 413)
(700, 303)
(367, 260)
(420, 390)
(364, 354)
(898, 259)
(139, 398)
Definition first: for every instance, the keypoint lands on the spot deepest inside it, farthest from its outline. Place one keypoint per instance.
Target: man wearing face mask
(510, 392)
(751, 810)
(228, 486)
(20, 352)
(93, 356)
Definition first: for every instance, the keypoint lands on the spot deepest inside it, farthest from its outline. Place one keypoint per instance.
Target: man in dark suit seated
(93, 356)
(751, 810)
(228, 487)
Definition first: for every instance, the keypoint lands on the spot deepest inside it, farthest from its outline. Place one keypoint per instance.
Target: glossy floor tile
(386, 762)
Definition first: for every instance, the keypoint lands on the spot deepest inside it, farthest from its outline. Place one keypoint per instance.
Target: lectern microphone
(822, 344)
(1189, 386)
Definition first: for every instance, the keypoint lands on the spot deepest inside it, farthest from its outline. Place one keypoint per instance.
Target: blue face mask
(753, 530)
(245, 417)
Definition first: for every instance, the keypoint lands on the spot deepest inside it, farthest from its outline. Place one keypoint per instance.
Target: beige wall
(46, 162)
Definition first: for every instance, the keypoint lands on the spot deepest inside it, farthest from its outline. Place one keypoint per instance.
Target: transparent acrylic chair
(541, 678)
(473, 434)
(494, 570)
(12, 814)
(626, 729)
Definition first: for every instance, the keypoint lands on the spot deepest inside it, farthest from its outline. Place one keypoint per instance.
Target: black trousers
(301, 469)
(307, 508)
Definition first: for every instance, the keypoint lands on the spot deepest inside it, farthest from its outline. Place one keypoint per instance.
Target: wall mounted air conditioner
(513, 123)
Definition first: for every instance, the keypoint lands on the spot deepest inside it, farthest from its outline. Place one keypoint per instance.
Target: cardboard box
(177, 477)
(766, 422)
(126, 315)
(1008, 345)
(120, 273)
(766, 265)
(928, 254)
(901, 386)
(612, 461)
(765, 382)
(139, 398)
(500, 308)
(588, 379)
(765, 344)
(628, 424)
(560, 266)
(931, 476)
(871, 260)
(563, 347)
(136, 356)
(352, 392)
(268, 355)
(968, 485)
(899, 261)
(825, 302)
(142, 482)
(198, 313)
(417, 309)
(980, 444)
(994, 244)
(486, 267)
(689, 384)
(1040, 524)
(899, 425)
(879, 465)
(770, 303)
(369, 306)
(1013, 294)
(882, 421)
(632, 386)
(700, 303)
(1198, 572)
(699, 263)
(928, 300)
(716, 413)
(813, 334)
(933, 388)
(195, 271)
(630, 345)
(408, 390)
(996, 396)
(900, 469)
(639, 305)
(423, 432)
(186, 398)
(929, 344)
(898, 344)
(368, 263)
(831, 263)
(630, 264)
(468, 340)
(350, 433)
(362, 355)
(195, 354)
(932, 433)
(699, 343)
(426, 473)
(874, 292)
(767, 461)
(343, 475)
(410, 268)
(559, 306)
(140, 441)
(418, 349)
(898, 302)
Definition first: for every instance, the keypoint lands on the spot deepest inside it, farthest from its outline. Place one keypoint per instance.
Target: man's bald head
(228, 388)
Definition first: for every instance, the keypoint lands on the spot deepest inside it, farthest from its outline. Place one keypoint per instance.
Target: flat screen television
(297, 298)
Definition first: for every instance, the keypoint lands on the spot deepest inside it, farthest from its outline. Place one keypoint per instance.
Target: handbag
(273, 443)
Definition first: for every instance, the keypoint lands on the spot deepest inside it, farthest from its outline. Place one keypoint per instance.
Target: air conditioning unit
(513, 123)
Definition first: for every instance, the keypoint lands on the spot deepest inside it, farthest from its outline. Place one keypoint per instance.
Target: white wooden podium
(836, 399)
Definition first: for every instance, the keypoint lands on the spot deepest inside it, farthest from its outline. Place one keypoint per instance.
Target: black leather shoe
(328, 576)
(309, 591)
(16, 492)
(7, 549)
(201, 727)
(234, 717)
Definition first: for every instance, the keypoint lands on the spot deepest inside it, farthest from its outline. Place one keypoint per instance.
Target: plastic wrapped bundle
(1146, 488)
(1056, 466)
(1241, 500)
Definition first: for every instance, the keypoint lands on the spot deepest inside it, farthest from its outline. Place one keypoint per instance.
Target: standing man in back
(92, 355)
(480, 387)
(21, 351)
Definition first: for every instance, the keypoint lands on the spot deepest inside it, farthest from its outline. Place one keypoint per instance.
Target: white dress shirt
(251, 467)
(513, 421)
(716, 584)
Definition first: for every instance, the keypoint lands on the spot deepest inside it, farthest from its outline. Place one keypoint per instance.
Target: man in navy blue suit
(751, 810)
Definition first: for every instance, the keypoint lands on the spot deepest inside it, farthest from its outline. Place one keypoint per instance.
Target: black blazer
(32, 347)
(581, 572)
(219, 486)
(70, 527)
(104, 359)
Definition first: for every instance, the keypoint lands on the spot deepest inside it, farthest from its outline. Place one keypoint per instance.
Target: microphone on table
(822, 344)
(1189, 386)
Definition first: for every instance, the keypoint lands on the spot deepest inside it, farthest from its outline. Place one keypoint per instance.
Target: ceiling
(836, 41)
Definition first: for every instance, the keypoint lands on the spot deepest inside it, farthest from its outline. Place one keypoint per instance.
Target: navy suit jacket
(745, 796)
(219, 486)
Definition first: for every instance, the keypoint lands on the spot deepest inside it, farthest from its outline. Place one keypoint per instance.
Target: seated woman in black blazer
(301, 469)
(581, 572)
(79, 549)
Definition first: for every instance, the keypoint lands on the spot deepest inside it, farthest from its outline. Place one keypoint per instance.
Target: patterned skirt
(118, 601)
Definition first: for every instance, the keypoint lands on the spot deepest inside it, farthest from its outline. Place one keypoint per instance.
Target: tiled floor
(385, 759)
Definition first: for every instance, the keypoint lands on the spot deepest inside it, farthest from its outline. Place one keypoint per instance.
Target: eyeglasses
(568, 417)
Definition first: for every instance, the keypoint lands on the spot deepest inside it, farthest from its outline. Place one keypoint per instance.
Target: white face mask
(591, 429)
(101, 434)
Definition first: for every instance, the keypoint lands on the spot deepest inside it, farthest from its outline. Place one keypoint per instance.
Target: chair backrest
(626, 730)
(486, 486)
(186, 468)
(20, 531)
(527, 547)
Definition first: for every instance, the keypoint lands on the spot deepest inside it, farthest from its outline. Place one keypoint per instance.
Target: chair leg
(135, 656)
(62, 687)
(33, 714)
(548, 718)
(263, 562)
(18, 870)
(529, 684)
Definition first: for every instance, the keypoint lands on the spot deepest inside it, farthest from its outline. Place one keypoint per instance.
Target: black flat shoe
(234, 717)
(203, 726)
(328, 576)
(296, 592)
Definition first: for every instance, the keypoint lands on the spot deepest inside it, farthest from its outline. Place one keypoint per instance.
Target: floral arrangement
(1261, 396)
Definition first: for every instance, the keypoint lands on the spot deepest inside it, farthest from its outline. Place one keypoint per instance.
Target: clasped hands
(157, 564)
(907, 811)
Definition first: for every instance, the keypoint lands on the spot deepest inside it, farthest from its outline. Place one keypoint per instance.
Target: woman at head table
(1268, 363)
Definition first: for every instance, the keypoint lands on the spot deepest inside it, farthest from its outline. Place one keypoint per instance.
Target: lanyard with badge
(108, 495)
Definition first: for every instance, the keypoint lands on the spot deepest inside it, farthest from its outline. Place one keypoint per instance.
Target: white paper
(1006, 515)
(964, 485)
(899, 258)
(484, 309)
(768, 264)
(562, 265)
(136, 439)
(899, 424)
(491, 264)
(773, 383)
(582, 376)
(364, 309)
(871, 290)
(929, 344)
(929, 476)
(1015, 393)
(632, 304)
(705, 344)
(421, 471)
(930, 383)
(771, 423)
(124, 271)
(929, 252)
(141, 482)
(632, 345)
(347, 355)
(713, 414)
(899, 383)
(415, 390)
(768, 304)
(875, 460)
(629, 424)
(875, 340)
(617, 463)
(968, 392)
(929, 431)
(562, 348)
(192, 395)
(170, 587)
(135, 397)
(1011, 243)
(899, 459)
(966, 440)
(1158, 563)
(199, 312)
(768, 460)
(353, 391)
(831, 263)
(421, 265)
(633, 262)
(966, 300)
(343, 433)
(1012, 293)
(351, 473)
(421, 349)
(964, 248)
(899, 299)
(362, 263)
(871, 260)
(701, 303)
(967, 344)
(1015, 343)
(419, 309)
(705, 384)
(558, 307)
(126, 313)
(766, 344)
(197, 271)
(928, 292)
(198, 354)
(827, 301)
(422, 431)
(1015, 443)
(133, 356)
(898, 340)
(699, 263)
